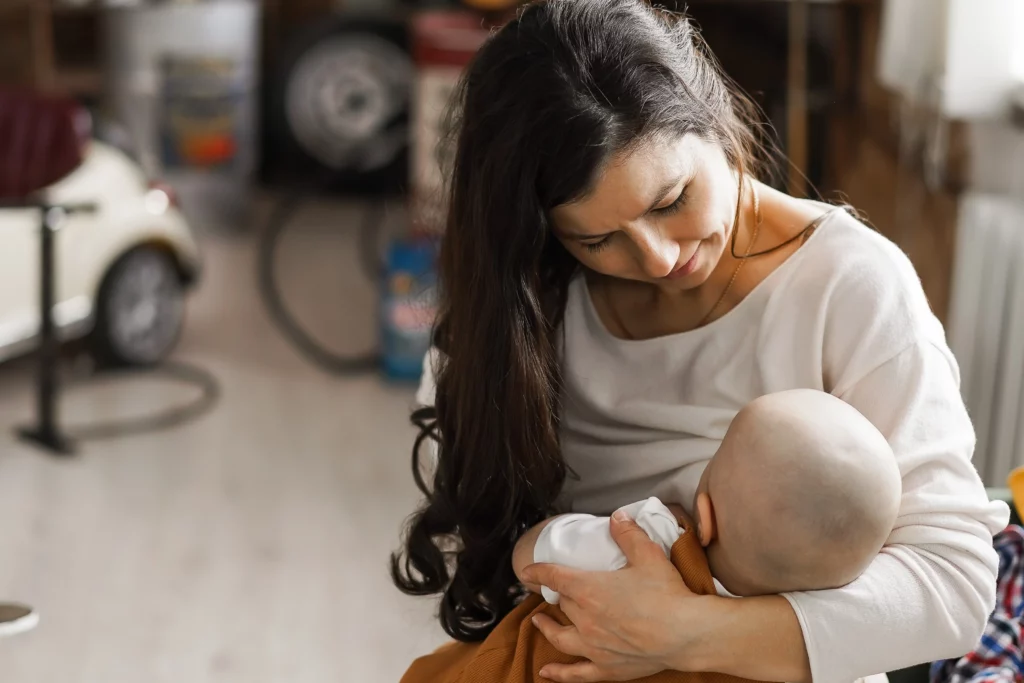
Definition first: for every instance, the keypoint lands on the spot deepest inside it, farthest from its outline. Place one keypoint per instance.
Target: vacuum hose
(370, 260)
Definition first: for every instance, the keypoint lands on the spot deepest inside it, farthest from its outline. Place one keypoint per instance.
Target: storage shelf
(78, 80)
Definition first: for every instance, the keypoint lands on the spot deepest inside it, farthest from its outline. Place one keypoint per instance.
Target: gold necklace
(753, 238)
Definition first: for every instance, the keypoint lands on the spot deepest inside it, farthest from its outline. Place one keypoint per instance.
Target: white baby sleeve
(585, 541)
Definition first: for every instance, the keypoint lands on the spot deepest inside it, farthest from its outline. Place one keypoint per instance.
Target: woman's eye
(674, 206)
(594, 247)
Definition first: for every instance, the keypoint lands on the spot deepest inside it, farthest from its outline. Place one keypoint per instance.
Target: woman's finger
(565, 639)
(561, 579)
(572, 609)
(583, 672)
(634, 542)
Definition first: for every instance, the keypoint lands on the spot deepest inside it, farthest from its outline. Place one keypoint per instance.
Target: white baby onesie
(585, 541)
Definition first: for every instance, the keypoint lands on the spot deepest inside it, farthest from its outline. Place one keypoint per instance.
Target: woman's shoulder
(849, 263)
(863, 293)
(845, 248)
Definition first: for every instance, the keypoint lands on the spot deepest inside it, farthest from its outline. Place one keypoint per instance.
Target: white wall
(997, 158)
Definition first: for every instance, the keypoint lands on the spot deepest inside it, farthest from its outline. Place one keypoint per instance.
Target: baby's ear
(705, 512)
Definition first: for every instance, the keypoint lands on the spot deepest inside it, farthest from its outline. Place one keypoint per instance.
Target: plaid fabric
(998, 657)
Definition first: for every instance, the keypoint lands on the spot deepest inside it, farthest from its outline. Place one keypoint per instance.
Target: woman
(616, 282)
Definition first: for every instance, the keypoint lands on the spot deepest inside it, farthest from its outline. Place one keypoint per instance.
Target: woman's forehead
(628, 184)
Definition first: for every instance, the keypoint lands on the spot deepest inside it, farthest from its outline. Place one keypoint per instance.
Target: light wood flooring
(250, 546)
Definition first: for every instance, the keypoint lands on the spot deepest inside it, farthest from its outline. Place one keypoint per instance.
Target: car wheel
(338, 108)
(140, 309)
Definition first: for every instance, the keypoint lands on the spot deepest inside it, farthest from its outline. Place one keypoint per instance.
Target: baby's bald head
(805, 492)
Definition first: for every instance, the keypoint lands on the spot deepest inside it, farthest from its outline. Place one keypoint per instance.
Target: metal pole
(796, 96)
(46, 432)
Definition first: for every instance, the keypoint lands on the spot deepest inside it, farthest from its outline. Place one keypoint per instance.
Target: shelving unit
(50, 45)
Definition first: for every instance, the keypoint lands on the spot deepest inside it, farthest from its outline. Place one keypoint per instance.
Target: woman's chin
(666, 284)
(681, 284)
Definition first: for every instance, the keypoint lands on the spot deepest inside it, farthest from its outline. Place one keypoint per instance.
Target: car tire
(140, 309)
(337, 108)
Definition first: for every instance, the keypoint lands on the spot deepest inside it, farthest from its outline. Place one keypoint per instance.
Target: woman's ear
(705, 512)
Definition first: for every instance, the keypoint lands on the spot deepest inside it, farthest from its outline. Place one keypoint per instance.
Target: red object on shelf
(447, 38)
(443, 44)
(208, 150)
(41, 141)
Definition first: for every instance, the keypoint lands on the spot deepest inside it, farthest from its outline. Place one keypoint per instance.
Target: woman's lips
(686, 268)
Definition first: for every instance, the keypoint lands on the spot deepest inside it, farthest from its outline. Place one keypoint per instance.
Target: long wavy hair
(547, 101)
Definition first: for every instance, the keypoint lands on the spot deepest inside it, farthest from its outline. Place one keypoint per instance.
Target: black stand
(46, 432)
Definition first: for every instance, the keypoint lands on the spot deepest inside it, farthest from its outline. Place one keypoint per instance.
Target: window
(1017, 21)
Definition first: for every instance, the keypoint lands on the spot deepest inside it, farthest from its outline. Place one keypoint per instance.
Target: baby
(801, 495)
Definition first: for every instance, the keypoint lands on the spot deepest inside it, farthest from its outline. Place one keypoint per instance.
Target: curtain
(961, 57)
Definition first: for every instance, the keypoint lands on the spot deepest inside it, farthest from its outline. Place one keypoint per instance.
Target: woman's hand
(629, 623)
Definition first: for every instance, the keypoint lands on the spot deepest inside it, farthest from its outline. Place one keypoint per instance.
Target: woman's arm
(929, 594)
(427, 389)
(764, 629)
(926, 597)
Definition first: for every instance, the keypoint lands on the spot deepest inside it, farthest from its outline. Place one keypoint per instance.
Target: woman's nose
(657, 255)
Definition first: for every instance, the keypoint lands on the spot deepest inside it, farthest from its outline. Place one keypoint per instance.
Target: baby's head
(801, 495)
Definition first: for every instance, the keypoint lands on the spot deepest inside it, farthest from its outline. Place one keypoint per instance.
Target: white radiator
(986, 328)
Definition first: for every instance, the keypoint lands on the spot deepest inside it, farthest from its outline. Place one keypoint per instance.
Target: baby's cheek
(723, 569)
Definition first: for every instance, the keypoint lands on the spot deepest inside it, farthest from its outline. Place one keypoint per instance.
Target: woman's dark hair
(547, 101)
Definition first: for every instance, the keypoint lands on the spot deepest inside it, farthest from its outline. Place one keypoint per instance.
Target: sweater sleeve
(425, 392)
(425, 398)
(928, 594)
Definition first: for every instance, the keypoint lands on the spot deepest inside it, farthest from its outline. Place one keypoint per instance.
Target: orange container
(1015, 482)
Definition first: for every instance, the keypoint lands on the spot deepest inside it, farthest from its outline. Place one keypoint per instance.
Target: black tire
(140, 309)
(358, 136)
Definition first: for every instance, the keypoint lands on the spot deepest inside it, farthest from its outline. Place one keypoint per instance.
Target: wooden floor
(250, 546)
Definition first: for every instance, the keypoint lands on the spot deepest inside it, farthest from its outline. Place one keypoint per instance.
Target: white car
(121, 271)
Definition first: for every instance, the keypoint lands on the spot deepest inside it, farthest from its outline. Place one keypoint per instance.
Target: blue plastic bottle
(409, 306)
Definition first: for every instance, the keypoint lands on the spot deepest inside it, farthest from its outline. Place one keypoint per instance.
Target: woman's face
(661, 214)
